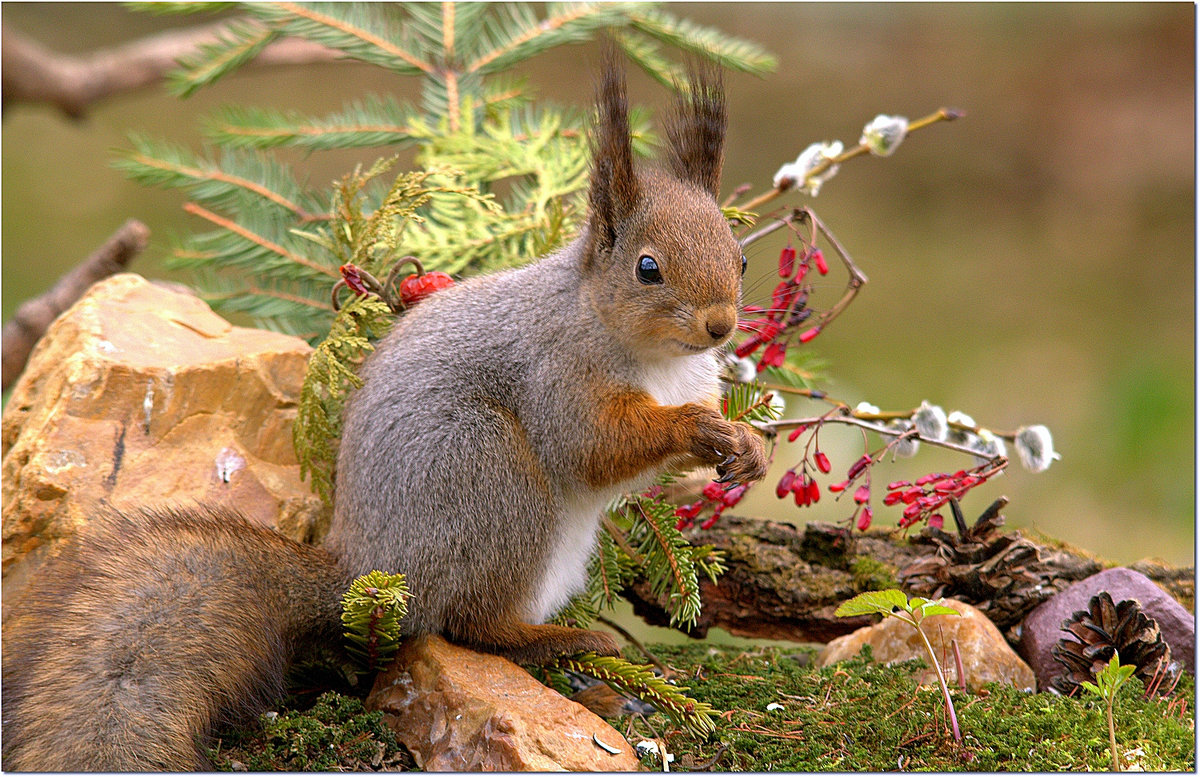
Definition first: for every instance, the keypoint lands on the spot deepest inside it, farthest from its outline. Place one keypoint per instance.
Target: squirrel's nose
(718, 329)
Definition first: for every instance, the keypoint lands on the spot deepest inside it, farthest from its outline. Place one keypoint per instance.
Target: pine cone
(1102, 629)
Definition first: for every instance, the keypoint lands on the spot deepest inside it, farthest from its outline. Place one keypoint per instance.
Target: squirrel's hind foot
(525, 643)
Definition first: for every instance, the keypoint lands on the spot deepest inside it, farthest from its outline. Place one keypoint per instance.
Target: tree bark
(32, 73)
(784, 581)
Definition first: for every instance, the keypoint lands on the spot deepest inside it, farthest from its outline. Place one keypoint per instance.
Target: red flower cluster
(774, 326)
(921, 499)
(715, 495)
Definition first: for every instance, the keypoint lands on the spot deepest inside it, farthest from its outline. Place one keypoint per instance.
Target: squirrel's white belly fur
(671, 382)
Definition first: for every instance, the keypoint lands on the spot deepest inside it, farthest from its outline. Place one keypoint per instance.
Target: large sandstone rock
(986, 656)
(457, 710)
(142, 395)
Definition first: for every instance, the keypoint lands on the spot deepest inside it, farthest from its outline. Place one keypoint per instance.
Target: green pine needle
(639, 680)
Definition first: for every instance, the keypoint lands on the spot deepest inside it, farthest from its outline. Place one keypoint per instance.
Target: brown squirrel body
(494, 424)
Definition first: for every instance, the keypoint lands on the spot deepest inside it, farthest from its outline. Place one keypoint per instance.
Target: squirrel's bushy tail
(150, 628)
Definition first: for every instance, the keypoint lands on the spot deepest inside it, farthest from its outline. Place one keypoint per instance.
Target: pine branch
(730, 52)
(667, 557)
(517, 33)
(235, 45)
(369, 32)
(639, 680)
(216, 184)
(369, 123)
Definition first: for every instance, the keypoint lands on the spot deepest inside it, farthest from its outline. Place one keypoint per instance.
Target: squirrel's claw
(723, 475)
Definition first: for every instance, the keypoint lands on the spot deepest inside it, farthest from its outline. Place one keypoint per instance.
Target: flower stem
(942, 114)
(1112, 734)
(937, 669)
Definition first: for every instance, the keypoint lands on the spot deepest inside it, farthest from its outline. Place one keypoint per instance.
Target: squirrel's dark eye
(647, 271)
(743, 264)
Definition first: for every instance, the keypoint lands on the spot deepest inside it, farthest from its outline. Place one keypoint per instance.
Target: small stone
(458, 710)
(1042, 627)
(986, 655)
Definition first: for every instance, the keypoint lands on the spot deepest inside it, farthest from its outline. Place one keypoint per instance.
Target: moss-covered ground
(856, 716)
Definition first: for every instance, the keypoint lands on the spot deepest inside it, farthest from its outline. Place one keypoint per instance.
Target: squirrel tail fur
(148, 630)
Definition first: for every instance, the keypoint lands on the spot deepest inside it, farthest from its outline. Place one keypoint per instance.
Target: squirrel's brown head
(663, 267)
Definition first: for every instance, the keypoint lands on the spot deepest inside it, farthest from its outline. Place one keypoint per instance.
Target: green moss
(872, 575)
(859, 716)
(335, 734)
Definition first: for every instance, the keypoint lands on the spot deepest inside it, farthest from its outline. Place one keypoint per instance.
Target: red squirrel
(496, 421)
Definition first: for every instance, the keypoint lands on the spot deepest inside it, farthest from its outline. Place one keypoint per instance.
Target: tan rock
(458, 710)
(986, 656)
(142, 395)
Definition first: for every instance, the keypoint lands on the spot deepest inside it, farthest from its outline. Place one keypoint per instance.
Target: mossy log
(785, 581)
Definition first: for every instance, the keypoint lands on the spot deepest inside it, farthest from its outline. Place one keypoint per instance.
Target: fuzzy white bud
(884, 133)
(799, 173)
(866, 408)
(989, 446)
(931, 422)
(961, 418)
(908, 447)
(1035, 448)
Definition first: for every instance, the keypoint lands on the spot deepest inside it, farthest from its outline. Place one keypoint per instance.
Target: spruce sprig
(639, 680)
(371, 612)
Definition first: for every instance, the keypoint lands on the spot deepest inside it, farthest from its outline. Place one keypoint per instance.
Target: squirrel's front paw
(734, 448)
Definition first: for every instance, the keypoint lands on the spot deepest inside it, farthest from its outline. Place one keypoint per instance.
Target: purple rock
(1043, 626)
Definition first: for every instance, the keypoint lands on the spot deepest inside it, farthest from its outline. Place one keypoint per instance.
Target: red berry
(891, 498)
(808, 334)
(799, 430)
(773, 356)
(819, 260)
(734, 495)
(937, 521)
(787, 262)
(822, 462)
(713, 491)
(896, 485)
(415, 288)
(836, 487)
(814, 492)
(858, 466)
(748, 347)
(864, 519)
(784, 486)
(862, 494)
(707, 523)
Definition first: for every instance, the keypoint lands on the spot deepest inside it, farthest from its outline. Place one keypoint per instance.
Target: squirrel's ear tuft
(696, 130)
(614, 186)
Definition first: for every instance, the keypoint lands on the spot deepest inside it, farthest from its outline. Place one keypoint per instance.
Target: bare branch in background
(33, 73)
(34, 316)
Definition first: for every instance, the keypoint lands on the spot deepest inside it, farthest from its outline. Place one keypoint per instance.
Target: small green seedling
(894, 604)
(1108, 682)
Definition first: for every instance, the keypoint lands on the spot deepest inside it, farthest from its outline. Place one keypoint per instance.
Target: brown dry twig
(33, 73)
(29, 323)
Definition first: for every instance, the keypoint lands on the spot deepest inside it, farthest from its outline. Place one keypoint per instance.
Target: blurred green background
(1031, 263)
